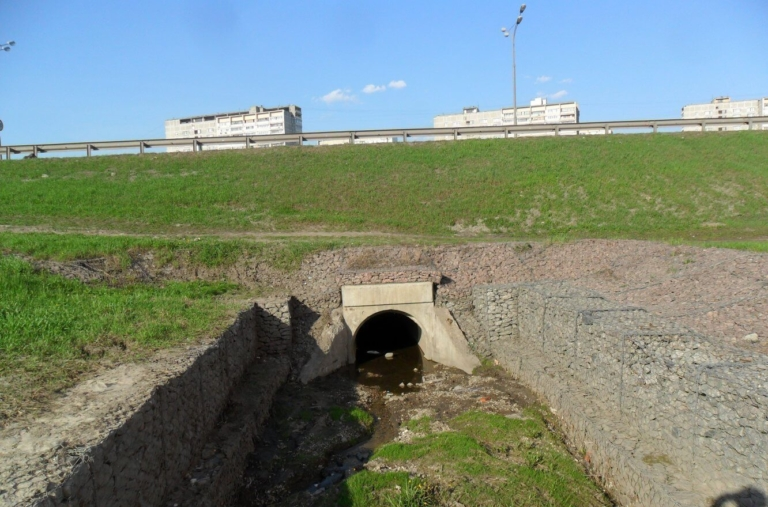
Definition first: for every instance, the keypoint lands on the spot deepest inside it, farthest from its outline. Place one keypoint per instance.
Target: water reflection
(406, 366)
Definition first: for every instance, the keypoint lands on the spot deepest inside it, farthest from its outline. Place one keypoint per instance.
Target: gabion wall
(145, 458)
(666, 416)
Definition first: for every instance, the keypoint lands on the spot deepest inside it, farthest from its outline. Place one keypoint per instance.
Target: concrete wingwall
(441, 338)
(145, 459)
(663, 415)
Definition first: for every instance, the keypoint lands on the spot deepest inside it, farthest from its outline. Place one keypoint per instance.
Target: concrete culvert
(385, 332)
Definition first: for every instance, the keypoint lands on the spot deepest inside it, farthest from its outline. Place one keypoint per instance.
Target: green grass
(205, 251)
(390, 489)
(353, 415)
(692, 186)
(53, 329)
(488, 459)
(420, 424)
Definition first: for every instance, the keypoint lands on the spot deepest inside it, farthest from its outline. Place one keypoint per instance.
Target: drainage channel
(319, 434)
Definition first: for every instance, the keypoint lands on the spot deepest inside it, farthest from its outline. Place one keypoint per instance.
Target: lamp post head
(519, 20)
(7, 48)
(522, 8)
(11, 43)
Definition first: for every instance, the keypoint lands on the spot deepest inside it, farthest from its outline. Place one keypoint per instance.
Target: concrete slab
(387, 294)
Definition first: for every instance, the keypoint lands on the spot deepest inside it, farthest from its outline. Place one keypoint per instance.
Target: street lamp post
(514, 66)
(6, 47)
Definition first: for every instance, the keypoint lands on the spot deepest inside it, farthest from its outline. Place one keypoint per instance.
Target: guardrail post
(557, 130)
(88, 150)
(655, 128)
(34, 151)
(7, 153)
(750, 124)
(455, 134)
(141, 147)
(607, 129)
(301, 141)
(506, 133)
(405, 137)
(351, 138)
(703, 126)
(247, 142)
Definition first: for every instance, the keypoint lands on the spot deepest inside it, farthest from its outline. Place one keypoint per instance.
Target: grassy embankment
(54, 330)
(688, 187)
(484, 459)
(670, 186)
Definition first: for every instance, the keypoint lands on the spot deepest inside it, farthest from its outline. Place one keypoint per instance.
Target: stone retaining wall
(666, 416)
(146, 457)
(398, 275)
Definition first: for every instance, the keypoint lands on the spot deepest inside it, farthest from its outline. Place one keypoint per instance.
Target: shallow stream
(314, 438)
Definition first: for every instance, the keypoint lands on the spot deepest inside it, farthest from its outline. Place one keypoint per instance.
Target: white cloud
(374, 88)
(338, 95)
(543, 79)
(558, 95)
(397, 84)
(567, 80)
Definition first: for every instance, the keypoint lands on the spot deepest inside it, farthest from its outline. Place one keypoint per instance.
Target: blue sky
(107, 69)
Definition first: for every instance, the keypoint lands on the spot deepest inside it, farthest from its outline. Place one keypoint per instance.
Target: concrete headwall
(665, 416)
(145, 458)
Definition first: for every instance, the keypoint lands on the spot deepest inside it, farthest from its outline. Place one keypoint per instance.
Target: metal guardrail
(350, 136)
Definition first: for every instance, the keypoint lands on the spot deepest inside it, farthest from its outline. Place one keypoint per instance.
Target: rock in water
(389, 355)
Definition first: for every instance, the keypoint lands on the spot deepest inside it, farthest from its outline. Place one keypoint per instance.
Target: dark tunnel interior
(385, 332)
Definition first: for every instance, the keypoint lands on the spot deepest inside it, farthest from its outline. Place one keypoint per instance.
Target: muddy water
(406, 366)
(401, 374)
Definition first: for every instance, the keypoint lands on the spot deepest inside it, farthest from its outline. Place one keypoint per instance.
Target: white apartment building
(723, 107)
(362, 140)
(537, 113)
(257, 121)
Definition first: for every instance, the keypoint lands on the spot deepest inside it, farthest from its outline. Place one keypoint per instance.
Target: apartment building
(539, 112)
(256, 121)
(363, 140)
(724, 107)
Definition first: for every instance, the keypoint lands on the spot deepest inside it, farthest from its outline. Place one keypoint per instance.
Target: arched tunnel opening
(385, 332)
